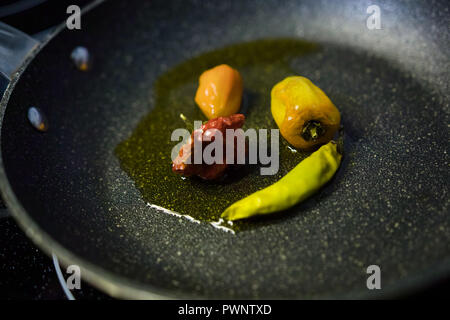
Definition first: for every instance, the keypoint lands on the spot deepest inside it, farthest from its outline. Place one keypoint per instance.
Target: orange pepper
(220, 92)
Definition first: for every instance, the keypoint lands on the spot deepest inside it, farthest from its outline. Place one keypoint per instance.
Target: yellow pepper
(300, 183)
(303, 112)
(220, 92)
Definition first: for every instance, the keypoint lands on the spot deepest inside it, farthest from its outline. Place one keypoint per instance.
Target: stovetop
(27, 273)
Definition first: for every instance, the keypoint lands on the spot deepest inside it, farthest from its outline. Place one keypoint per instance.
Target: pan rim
(121, 287)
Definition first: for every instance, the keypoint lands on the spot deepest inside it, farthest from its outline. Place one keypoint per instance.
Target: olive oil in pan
(146, 154)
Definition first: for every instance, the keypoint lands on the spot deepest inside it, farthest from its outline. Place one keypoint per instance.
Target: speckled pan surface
(387, 206)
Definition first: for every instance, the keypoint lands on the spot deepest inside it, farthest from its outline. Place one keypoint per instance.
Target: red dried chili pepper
(213, 171)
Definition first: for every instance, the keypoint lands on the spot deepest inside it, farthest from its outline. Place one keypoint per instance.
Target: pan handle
(15, 46)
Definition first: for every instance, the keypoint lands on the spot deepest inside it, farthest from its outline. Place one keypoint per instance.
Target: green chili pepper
(300, 183)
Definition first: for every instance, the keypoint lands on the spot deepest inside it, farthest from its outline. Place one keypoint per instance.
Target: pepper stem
(312, 130)
(187, 123)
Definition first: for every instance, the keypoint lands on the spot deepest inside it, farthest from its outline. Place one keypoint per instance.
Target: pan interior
(146, 154)
(387, 206)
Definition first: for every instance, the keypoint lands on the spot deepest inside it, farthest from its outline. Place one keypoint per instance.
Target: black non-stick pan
(387, 206)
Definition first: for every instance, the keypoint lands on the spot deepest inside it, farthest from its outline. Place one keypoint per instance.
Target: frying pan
(387, 206)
